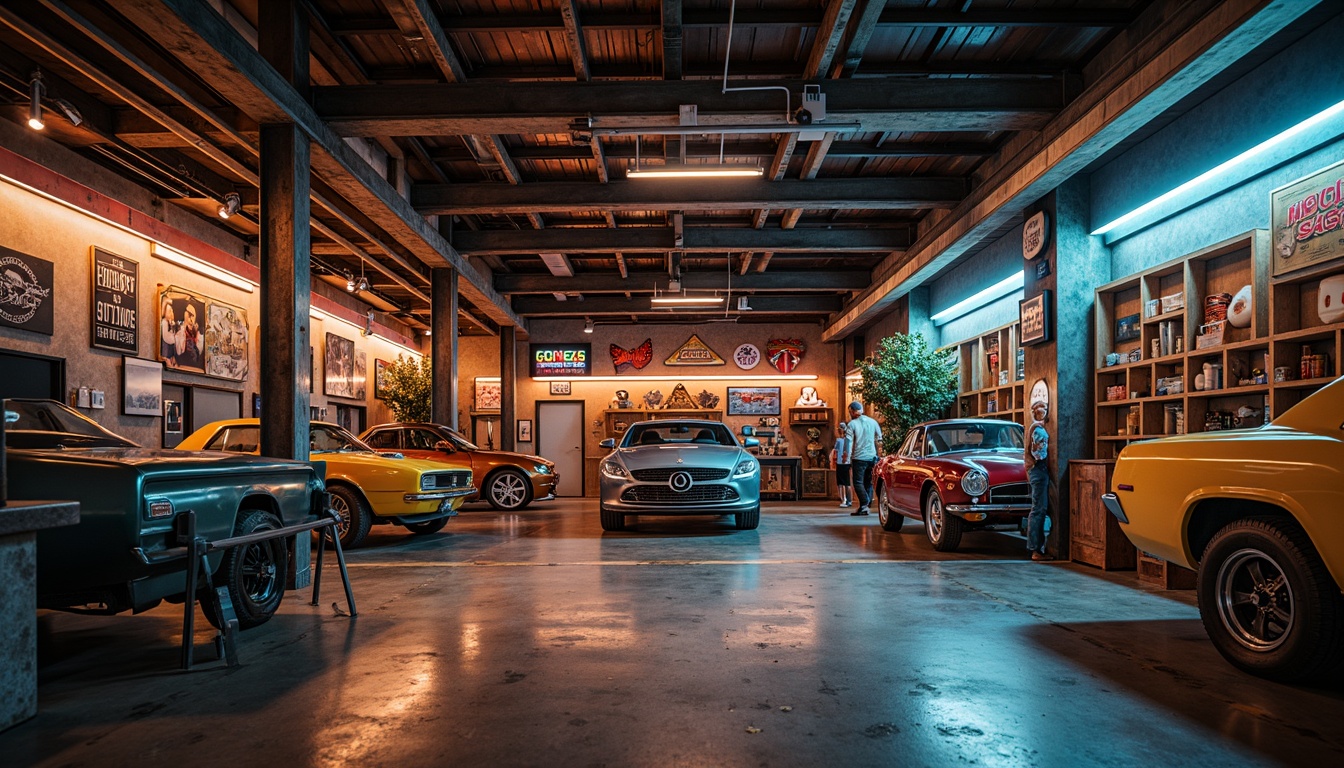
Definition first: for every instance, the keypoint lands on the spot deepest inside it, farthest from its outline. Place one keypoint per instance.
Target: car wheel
(1268, 603)
(943, 530)
(254, 574)
(889, 518)
(612, 520)
(749, 520)
(356, 517)
(509, 491)
(427, 527)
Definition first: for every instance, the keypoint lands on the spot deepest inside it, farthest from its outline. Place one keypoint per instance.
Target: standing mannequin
(1038, 478)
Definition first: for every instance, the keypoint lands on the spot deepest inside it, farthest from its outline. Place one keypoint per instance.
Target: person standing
(866, 435)
(840, 459)
(1038, 478)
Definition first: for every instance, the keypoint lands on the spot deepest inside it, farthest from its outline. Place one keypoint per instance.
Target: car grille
(662, 475)
(1014, 493)
(448, 480)
(662, 494)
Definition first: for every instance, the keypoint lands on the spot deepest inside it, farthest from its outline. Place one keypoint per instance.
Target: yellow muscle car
(1260, 514)
(366, 487)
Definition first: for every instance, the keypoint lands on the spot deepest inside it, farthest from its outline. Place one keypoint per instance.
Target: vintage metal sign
(1307, 217)
(116, 306)
(694, 352)
(566, 360)
(25, 291)
(1034, 315)
(785, 354)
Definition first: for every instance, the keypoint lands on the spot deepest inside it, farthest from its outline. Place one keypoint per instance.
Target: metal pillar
(508, 373)
(443, 310)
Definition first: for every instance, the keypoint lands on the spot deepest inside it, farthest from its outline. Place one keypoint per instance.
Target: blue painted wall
(1298, 83)
(999, 260)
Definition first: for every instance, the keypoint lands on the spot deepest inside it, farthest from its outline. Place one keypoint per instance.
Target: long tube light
(696, 172)
(686, 300)
(675, 377)
(995, 291)
(201, 267)
(696, 130)
(1259, 149)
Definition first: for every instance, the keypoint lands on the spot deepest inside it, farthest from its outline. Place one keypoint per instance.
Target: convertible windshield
(950, 438)
(673, 432)
(49, 424)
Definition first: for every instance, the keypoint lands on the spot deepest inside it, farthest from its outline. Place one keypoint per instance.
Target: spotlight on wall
(232, 202)
(349, 281)
(588, 325)
(35, 91)
(71, 111)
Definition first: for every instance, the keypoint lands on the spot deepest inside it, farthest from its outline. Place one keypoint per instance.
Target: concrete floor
(535, 639)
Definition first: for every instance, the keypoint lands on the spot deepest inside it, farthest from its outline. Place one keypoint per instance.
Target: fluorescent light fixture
(35, 91)
(995, 291)
(200, 267)
(1259, 149)
(781, 377)
(696, 172)
(687, 300)
(711, 130)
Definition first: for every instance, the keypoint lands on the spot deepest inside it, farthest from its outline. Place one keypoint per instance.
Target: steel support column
(508, 374)
(443, 309)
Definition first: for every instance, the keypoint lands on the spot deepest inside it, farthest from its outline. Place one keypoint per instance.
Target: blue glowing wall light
(995, 291)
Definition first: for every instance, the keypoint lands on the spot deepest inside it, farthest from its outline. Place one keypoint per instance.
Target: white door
(560, 439)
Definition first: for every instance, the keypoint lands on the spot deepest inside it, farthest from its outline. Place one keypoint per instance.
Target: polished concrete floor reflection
(536, 639)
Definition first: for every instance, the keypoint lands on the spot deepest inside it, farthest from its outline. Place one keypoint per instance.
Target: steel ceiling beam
(631, 240)
(791, 281)
(604, 306)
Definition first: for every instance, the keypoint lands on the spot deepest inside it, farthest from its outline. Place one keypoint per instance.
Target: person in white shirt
(866, 435)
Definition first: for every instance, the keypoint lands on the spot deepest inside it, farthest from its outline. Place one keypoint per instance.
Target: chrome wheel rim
(508, 491)
(342, 509)
(882, 510)
(1255, 600)
(934, 518)
(259, 574)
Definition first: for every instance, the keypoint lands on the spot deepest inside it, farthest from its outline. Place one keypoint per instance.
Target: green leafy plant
(408, 382)
(905, 382)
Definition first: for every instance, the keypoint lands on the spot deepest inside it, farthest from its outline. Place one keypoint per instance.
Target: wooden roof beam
(606, 306)
(645, 240)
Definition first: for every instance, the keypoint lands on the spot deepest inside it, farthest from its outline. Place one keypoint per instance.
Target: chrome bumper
(450, 493)
(961, 509)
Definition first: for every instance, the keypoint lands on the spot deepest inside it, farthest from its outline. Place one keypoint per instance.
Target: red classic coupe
(954, 476)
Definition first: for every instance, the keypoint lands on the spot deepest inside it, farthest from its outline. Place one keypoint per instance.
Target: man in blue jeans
(866, 436)
(1038, 478)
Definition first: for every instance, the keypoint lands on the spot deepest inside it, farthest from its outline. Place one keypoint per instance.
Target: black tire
(508, 490)
(254, 574)
(749, 520)
(356, 517)
(888, 517)
(944, 530)
(612, 520)
(427, 527)
(1268, 603)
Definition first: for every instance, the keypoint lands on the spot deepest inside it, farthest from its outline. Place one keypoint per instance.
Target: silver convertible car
(680, 468)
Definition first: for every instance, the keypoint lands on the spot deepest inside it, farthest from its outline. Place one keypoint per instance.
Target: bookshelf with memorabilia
(990, 373)
(1222, 345)
(618, 420)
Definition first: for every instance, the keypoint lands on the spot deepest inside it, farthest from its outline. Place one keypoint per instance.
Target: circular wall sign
(747, 356)
(1040, 393)
(1034, 235)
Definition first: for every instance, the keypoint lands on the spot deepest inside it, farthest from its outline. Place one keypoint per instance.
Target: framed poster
(560, 388)
(225, 341)
(115, 311)
(1034, 316)
(1306, 221)
(488, 395)
(1127, 328)
(26, 300)
(753, 401)
(172, 417)
(360, 377)
(524, 430)
(141, 387)
(379, 379)
(181, 341)
(338, 369)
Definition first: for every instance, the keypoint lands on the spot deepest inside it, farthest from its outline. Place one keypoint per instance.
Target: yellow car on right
(1259, 513)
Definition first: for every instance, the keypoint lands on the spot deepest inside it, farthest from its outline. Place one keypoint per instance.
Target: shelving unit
(781, 477)
(1284, 327)
(981, 361)
(613, 417)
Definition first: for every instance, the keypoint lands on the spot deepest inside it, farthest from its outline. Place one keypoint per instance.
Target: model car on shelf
(954, 476)
(679, 467)
(509, 481)
(1259, 513)
(130, 500)
(366, 487)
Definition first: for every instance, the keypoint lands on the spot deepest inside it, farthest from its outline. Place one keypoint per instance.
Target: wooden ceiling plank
(671, 36)
(578, 51)
(829, 36)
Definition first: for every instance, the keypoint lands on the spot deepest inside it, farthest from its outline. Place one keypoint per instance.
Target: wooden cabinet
(781, 477)
(617, 420)
(1095, 537)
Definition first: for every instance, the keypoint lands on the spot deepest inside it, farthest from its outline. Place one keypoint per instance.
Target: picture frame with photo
(379, 379)
(488, 395)
(141, 387)
(524, 430)
(338, 367)
(1127, 328)
(560, 388)
(753, 401)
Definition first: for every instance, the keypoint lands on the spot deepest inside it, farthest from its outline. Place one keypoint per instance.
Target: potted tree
(904, 383)
(408, 384)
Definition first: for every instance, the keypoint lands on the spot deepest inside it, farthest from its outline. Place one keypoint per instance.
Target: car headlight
(745, 468)
(542, 469)
(613, 469)
(975, 483)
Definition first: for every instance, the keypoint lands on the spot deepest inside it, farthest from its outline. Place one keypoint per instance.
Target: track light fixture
(363, 284)
(588, 325)
(72, 112)
(232, 202)
(349, 281)
(36, 90)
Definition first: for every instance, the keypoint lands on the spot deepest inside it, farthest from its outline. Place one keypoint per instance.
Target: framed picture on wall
(379, 379)
(524, 430)
(560, 388)
(753, 401)
(1034, 319)
(1127, 328)
(488, 395)
(141, 387)
(338, 370)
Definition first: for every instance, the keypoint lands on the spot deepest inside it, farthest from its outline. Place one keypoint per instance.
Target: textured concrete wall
(18, 615)
(997, 261)
(1305, 78)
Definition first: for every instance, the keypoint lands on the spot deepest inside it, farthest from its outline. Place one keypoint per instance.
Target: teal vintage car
(130, 501)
